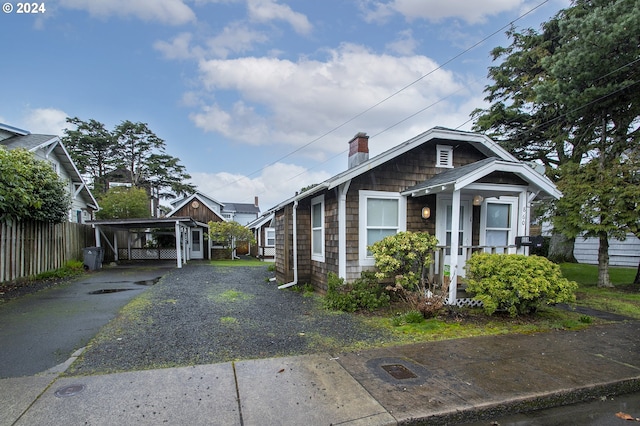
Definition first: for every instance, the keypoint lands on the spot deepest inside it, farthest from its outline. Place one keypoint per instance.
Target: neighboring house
(243, 213)
(51, 149)
(414, 186)
(265, 236)
(621, 253)
(203, 209)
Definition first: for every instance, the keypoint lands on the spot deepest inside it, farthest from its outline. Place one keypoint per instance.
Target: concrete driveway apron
(42, 330)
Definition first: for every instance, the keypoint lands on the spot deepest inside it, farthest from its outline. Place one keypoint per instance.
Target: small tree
(406, 257)
(124, 203)
(30, 189)
(229, 233)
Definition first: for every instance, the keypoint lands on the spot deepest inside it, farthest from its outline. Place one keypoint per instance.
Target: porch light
(477, 200)
(426, 212)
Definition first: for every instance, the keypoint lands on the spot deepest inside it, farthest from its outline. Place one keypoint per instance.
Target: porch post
(178, 245)
(523, 218)
(455, 242)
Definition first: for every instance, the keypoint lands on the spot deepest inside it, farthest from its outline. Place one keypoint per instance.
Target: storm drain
(67, 391)
(398, 371)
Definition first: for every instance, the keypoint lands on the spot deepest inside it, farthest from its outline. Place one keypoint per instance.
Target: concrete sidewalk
(445, 382)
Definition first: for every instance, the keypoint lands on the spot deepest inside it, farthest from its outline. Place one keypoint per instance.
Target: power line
(402, 89)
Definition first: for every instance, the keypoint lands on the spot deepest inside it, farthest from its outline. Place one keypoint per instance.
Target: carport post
(178, 245)
(96, 230)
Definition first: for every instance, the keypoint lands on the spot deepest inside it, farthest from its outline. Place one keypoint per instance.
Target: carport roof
(152, 222)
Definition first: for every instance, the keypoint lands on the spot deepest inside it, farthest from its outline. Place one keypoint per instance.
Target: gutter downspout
(295, 249)
(342, 229)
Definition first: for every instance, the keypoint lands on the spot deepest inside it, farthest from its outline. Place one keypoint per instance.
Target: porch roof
(143, 223)
(460, 177)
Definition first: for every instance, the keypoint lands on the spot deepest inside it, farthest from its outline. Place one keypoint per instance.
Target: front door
(443, 232)
(197, 251)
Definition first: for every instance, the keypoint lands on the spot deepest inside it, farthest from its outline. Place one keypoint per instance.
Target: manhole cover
(399, 371)
(67, 391)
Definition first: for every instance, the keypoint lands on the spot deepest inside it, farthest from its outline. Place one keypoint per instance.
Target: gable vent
(444, 156)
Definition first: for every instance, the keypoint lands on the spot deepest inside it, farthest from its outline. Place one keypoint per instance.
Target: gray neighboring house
(50, 148)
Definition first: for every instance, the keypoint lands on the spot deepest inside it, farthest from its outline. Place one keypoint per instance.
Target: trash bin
(93, 258)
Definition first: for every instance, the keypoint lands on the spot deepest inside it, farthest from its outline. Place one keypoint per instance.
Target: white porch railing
(439, 275)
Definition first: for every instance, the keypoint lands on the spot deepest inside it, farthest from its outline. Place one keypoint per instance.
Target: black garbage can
(93, 258)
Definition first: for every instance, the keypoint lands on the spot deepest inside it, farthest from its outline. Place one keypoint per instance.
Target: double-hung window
(317, 228)
(498, 223)
(381, 214)
(270, 236)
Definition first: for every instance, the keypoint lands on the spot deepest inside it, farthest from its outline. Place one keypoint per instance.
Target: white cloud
(178, 48)
(48, 121)
(172, 12)
(235, 38)
(404, 45)
(281, 101)
(270, 10)
(275, 183)
(472, 12)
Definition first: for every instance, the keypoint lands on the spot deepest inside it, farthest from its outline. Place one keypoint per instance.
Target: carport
(181, 226)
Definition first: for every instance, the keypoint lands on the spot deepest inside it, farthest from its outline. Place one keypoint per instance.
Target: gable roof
(51, 143)
(203, 199)
(481, 142)
(246, 208)
(460, 177)
(260, 221)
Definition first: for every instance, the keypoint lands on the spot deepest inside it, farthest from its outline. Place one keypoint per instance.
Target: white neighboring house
(50, 148)
(621, 253)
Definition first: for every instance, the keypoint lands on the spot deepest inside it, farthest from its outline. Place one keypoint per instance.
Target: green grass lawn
(623, 298)
(238, 262)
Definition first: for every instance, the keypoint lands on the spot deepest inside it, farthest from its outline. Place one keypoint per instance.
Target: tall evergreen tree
(569, 96)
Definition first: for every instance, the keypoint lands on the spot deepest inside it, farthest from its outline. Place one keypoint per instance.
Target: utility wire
(397, 92)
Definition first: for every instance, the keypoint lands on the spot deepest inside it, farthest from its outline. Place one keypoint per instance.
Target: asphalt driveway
(204, 314)
(41, 330)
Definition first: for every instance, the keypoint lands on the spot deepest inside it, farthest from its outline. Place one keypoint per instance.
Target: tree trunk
(603, 261)
(637, 278)
(561, 249)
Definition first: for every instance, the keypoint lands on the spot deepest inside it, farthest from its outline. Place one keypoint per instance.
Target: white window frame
(446, 160)
(365, 258)
(319, 257)
(266, 237)
(513, 221)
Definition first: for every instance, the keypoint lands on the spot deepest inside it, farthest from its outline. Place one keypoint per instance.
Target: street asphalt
(446, 382)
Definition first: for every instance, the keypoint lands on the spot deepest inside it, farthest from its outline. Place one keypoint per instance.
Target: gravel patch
(204, 314)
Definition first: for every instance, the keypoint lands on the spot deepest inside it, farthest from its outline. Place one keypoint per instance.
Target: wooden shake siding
(201, 214)
(405, 171)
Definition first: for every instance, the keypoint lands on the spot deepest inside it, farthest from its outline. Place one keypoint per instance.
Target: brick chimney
(255, 201)
(358, 149)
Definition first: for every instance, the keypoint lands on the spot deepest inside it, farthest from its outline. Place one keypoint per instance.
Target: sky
(256, 97)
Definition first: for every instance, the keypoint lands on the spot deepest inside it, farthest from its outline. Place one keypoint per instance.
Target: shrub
(364, 293)
(516, 283)
(405, 257)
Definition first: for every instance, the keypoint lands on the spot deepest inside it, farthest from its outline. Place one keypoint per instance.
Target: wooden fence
(30, 248)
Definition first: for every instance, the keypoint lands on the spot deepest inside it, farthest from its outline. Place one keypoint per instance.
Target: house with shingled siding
(415, 186)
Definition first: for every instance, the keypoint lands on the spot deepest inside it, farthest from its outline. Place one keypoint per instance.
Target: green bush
(405, 256)
(365, 293)
(516, 283)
